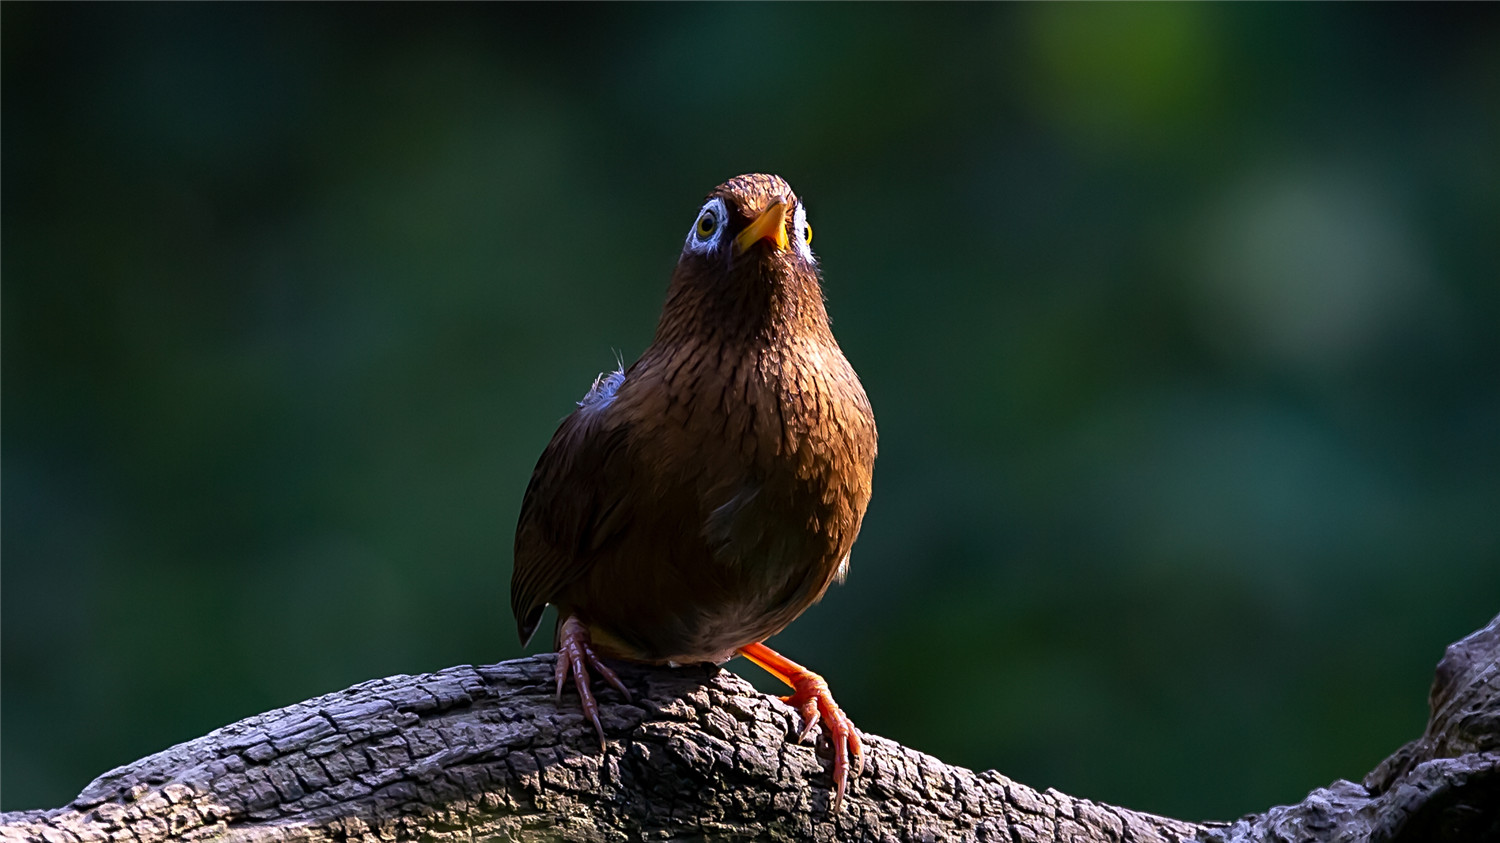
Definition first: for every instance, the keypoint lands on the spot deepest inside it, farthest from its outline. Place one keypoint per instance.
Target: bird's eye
(707, 224)
(708, 227)
(807, 233)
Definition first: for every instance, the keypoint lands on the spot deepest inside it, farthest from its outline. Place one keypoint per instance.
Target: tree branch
(485, 753)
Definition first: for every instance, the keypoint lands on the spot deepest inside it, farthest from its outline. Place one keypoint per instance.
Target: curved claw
(813, 702)
(808, 709)
(575, 655)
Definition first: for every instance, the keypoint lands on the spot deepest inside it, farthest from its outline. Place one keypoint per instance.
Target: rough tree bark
(484, 753)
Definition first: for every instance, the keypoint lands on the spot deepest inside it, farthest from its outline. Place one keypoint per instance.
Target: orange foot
(575, 655)
(811, 698)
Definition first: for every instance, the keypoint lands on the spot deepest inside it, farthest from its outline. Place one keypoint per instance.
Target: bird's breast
(756, 468)
(776, 446)
(791, 414)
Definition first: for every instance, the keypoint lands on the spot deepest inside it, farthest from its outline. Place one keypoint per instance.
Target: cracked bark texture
(481, 753)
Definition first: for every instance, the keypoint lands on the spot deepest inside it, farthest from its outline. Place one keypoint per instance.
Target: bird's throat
(765, 301)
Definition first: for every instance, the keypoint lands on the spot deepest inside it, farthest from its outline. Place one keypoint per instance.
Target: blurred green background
(1180, 323)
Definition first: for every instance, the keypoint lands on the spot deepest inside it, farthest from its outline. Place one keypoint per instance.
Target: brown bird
(697, 502)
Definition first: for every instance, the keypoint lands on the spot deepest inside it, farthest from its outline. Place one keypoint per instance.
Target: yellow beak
(771, 224)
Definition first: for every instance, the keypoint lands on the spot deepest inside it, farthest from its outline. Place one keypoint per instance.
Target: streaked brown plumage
(696, 504)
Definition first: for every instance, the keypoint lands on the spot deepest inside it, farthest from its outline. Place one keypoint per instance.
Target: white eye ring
(708, 226)
(802, 233)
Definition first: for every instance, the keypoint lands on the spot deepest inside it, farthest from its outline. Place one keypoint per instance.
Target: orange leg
(575, 655)
(811, 698)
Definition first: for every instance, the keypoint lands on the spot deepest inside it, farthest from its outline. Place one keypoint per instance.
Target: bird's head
(753, 221)
(748, 259)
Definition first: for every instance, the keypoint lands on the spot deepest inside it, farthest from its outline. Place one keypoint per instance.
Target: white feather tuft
(602, 393)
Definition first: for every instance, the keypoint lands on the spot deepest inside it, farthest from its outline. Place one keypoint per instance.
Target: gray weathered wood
(1444, 786)
(485, 753)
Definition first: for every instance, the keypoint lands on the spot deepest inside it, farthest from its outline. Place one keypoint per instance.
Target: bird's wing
(574, 506)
